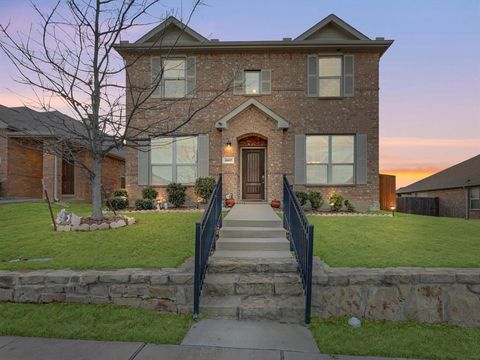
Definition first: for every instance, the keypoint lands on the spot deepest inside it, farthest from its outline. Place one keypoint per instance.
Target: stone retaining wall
(162, 289)
(428, 295)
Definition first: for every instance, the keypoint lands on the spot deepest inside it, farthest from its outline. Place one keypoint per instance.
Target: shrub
(336, 202)
(120, 193)
(349, 206)
(302, 197)
(204, 187)
(176, 193)
(316, 199)
(144, 204)
(149, 193)
(118, 203)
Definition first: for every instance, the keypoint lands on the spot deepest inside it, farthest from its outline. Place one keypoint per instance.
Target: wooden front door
(68, 178)
(253, 174)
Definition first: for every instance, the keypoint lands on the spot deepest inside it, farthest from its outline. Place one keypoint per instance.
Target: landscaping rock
(383, 303)
(117, 224)
(463, 307)
(104, 226)
(94, 227)
(339, 300)
(159, 278)
(75, 220)
(426, 304)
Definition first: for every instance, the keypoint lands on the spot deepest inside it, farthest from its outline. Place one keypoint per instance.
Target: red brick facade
(288, 99)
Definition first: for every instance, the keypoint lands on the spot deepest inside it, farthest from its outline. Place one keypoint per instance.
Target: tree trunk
(97, 189)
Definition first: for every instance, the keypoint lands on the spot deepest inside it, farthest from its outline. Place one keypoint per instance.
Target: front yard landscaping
(402, 240)
(396, 339)
(93, 322)
(157, 240)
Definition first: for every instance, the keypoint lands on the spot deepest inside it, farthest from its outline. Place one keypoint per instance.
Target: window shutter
(361, 159)
(156, 79)
(238, 82)
(144, 163)
(312, 75)
(191, 75)
(300, 176)
(203, 155)
(348, 76)
(266, 80)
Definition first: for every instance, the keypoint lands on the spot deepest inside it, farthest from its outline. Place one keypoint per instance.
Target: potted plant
(275, 204)
(229, 200)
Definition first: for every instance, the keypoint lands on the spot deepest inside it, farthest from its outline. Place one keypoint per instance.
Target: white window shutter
(143, 165)
(312, 75)
(361, 159)
(266, 80)
(348, 76)
(191, 74)
(203, 154)
(238, 82)
(155, 75)
(300, 166)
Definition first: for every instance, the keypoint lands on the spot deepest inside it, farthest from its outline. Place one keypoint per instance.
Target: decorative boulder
(307, 206)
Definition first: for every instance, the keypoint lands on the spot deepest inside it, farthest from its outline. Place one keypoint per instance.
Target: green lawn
(403, 240)
(93, 322)
(396, 339)
(157, 240)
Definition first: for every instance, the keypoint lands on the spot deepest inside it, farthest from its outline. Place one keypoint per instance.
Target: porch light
(229, 144)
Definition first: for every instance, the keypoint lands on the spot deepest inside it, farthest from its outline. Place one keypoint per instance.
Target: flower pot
(275, 204)
(229, 202)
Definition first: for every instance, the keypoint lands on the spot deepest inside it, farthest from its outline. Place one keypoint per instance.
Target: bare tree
(71, 57)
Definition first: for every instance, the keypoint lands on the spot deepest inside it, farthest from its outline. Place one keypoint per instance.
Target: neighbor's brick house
(24, 163)
(306, 107)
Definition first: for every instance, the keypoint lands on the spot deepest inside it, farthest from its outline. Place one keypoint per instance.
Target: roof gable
(332, 28)
(171, 30)
(223, 122)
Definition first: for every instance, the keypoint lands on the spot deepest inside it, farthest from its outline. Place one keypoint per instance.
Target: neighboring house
(306, 107)
(23, 162)
(457, 189)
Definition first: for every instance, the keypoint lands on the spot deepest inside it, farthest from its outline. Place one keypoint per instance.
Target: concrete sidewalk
(24, 348)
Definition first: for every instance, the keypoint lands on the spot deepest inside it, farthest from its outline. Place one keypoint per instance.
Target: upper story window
(173, 159)
(178, 78)
(252, 82)
(330, 76)
(330, 159)
(475, 198)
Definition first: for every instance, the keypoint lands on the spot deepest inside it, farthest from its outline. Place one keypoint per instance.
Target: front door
(68, 178)
(253, 174)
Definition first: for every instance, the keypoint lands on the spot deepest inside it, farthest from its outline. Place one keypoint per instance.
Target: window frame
(161, 85)
(339, 77)
(330, 163)
(473, 198)
(174, 163)
(259, 72)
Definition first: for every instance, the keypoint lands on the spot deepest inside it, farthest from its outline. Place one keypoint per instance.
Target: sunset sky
(429, 78)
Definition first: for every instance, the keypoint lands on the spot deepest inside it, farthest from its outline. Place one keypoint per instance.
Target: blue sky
(429, 78)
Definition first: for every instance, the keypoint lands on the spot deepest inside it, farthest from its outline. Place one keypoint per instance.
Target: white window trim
(341, 77)
(174, 164)
(330, 164)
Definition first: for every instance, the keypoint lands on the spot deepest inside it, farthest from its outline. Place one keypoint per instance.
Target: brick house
(457, 189)
(24, 163)
(306, 107)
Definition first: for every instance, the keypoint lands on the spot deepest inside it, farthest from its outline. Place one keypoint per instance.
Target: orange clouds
(406, 177)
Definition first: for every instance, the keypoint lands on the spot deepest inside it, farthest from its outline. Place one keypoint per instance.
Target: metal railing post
(196, 289)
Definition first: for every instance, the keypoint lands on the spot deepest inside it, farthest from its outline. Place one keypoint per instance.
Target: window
(252, 82)
(173, 160)
(174, 78)
(475, 198)
(330, 159)
(330, 76)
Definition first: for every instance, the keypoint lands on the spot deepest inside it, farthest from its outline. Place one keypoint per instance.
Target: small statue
(63, 217)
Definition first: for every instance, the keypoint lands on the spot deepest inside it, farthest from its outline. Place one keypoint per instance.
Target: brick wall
(3, 160)
(288, 99)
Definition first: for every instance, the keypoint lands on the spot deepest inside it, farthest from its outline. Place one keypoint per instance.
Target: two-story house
(306, 107)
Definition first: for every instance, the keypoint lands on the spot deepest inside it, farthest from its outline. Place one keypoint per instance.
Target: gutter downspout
(55, 179)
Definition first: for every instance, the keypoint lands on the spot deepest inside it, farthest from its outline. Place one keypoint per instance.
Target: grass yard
(93, 322)
(396, 339)
(157, 240)
(403, 240)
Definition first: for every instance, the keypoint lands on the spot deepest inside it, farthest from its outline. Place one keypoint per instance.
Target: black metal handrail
(205, 234)
(301, 240)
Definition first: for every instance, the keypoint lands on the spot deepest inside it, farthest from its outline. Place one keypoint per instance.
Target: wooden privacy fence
(387, 192)
(418, 205)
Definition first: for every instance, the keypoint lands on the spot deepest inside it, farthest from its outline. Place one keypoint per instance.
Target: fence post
(308, 280)
(197, 275)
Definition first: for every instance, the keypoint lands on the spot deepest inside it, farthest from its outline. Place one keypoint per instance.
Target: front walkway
(24, 348)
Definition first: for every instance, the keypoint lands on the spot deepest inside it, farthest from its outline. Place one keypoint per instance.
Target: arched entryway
(253, 167)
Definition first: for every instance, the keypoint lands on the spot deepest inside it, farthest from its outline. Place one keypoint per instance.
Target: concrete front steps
(252, 275)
